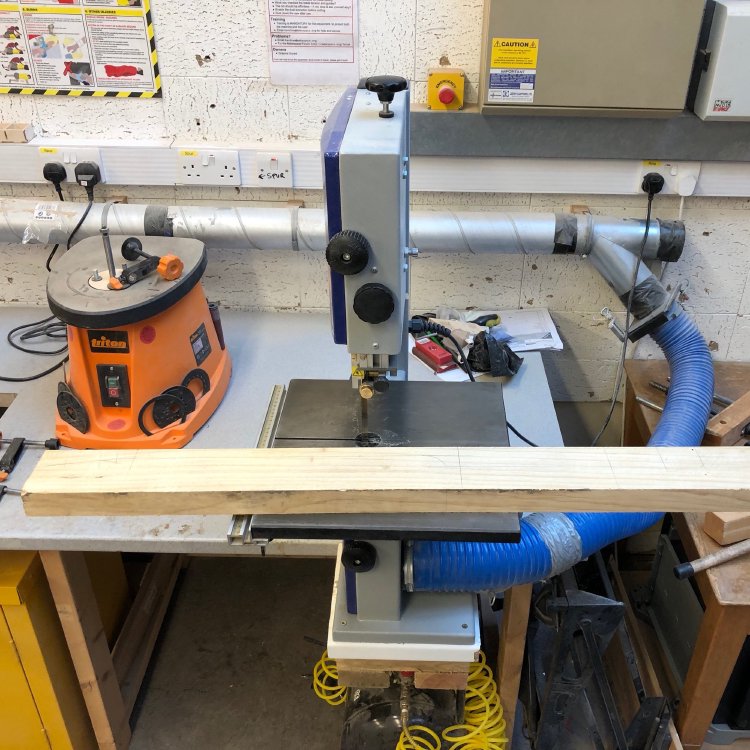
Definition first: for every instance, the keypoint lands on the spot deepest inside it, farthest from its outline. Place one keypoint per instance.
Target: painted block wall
(714, 272)
(213, 58)
(213, 61)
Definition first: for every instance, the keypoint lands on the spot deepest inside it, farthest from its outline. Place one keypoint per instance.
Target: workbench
(726, 588)
(267, 349)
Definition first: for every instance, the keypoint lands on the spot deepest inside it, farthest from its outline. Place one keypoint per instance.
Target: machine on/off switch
(114, 390)
(446, 95)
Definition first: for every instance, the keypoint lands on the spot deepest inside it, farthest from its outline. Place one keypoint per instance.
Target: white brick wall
(213, 57)
(714, 270)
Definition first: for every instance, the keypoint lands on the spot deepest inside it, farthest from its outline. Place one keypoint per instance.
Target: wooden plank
(727, 528)
(134, 647)
(727, 426)
(728, 583)
(510, 656)
(363, 480)
(371, 673)
(720, 639)
(6, 399)
(74, 598)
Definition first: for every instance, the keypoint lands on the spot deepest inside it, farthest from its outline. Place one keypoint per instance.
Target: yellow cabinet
(41, 703)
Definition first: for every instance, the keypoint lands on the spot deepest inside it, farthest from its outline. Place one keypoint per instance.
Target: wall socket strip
(141, 163)
(208, 167)
(68, 156)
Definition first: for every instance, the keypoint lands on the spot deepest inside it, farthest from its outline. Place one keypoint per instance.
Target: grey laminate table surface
(266, 349)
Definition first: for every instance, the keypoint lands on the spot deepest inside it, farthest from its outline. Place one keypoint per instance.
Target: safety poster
(313, 41)
(78, 48)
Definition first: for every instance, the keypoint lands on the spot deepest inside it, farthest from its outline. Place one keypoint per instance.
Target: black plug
(55, 173)
(88, 176)
(652, 184)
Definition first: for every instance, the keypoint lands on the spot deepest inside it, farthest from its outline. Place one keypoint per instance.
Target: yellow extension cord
(483, 727)
(326, 681)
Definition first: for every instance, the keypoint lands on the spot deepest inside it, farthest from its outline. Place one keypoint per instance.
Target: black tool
(51, 444)
(386, 87)
(11, 455)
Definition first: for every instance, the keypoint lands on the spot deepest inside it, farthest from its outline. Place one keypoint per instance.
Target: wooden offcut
(727, 528)
(387, 480)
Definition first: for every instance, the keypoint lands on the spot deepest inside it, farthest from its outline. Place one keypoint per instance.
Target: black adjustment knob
(386, 87)
(359, 556)
(374, 303)
(131, 249)
(381, 384)
(348, 252)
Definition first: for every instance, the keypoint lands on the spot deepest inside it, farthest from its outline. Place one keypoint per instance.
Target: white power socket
(69, 156)
(680, 177)
(208, 167)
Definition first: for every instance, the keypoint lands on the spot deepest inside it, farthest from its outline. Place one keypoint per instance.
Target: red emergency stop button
(446, 95)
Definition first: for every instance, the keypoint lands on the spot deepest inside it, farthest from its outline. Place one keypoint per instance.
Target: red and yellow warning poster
(78, 48)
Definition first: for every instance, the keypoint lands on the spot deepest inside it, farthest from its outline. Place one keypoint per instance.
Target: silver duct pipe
(305, 228)
(617, 265)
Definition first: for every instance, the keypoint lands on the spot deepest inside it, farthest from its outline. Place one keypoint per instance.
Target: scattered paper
(529, 330)
(313, 42)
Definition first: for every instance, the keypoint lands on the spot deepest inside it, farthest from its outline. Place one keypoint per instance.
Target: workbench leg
(71, 589)
(510, 656)
(721, 636)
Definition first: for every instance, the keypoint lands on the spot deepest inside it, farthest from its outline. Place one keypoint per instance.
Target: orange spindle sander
(148, 365)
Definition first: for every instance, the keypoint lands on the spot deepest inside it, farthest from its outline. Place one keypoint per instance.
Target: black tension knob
(373, 303)
(131, 249)
(359, 556)
(386, 87)
(348, 252)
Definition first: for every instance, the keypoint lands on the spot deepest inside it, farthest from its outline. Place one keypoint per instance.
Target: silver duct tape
(561, 538)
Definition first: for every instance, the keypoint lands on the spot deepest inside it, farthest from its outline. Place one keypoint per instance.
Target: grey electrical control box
(588, 57)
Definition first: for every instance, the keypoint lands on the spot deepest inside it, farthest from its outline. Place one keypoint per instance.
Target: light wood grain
(381, 480)
(727, 528)
(727, 427)
(428, 675)
(510, 656)
(74, 598)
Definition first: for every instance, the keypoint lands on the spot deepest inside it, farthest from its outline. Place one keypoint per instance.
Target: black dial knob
(374, 303)
(131, 249)
(386, 87)
(359, 556)
(348, 252)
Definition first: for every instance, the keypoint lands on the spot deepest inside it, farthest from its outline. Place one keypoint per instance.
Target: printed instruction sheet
(78, 47)
(313, 41)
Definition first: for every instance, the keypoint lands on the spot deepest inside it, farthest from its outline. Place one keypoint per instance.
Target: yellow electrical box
(41, 703)
(445, 88)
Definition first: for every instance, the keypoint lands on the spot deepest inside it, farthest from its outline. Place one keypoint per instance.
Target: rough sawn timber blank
(386, 480)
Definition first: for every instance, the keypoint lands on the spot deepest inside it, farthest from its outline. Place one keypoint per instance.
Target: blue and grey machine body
(366, 168)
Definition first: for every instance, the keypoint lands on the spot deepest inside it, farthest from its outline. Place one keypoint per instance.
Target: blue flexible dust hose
(552, 542)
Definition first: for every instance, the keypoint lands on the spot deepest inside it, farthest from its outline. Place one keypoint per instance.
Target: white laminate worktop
(266, 349)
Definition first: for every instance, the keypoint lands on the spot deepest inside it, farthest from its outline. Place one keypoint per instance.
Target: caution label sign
(514, 53)
(78, 48)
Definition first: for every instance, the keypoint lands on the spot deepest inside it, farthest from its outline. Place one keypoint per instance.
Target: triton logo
(105, 343)
(109, 341)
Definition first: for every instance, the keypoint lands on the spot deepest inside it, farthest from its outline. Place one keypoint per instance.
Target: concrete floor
(233, 666)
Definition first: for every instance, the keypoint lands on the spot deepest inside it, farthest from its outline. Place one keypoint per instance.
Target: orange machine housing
(150, 383)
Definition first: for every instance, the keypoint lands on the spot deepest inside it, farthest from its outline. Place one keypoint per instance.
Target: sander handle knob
(132, 249)
(170, 267)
